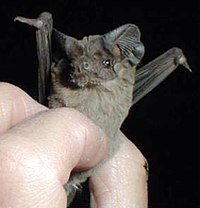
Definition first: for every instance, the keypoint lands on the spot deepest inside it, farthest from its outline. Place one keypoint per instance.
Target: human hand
(40, 147)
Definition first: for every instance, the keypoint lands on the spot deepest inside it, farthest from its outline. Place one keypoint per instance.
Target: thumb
(38, 154)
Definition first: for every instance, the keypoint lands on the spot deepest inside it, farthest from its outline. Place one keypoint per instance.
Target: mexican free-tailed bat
(97, 75)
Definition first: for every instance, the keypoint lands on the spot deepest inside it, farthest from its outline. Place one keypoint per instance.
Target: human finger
(15, 106)
(122, 181)
(37, 156)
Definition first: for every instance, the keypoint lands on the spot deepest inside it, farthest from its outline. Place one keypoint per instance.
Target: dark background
(164, 124)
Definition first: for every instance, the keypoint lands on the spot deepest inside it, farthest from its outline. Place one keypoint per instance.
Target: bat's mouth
(85, 79)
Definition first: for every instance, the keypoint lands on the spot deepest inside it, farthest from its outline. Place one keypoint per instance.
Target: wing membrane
(152, 74)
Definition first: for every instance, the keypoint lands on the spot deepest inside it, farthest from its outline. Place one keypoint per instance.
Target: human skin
(40, 147)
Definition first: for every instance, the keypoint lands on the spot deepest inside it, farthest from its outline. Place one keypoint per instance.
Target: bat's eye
(106, 62)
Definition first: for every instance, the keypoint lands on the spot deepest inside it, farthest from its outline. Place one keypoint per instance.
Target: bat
(98, 75)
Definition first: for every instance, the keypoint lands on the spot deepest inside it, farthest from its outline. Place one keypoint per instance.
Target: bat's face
(93, 60)
(91, 63)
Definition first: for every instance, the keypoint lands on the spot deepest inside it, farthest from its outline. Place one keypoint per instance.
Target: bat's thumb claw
(183, 61)
(186, 65)
(32, 22)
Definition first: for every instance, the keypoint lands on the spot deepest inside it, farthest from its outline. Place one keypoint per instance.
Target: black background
(164, 125)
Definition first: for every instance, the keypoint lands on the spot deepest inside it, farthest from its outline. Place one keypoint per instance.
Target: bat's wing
(44, 25)
(152, 74)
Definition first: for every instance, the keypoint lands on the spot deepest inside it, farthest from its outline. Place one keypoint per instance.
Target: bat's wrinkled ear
(125, 41)
(66, 44)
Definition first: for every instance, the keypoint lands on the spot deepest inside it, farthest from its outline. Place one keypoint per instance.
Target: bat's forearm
(44, 25)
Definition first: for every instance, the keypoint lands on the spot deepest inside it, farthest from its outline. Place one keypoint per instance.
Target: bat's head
(94, 59)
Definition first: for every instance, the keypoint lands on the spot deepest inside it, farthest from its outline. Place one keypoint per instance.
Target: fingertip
(89, 144)
(122, 181)
(15, 105)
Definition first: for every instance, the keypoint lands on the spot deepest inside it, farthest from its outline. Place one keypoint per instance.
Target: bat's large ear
(66, 44)
(125, 41)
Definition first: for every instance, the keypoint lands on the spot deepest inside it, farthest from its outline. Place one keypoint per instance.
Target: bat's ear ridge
(127, 39)
(66, 43)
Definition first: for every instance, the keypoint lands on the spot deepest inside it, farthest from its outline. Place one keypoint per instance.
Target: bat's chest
(107, 107)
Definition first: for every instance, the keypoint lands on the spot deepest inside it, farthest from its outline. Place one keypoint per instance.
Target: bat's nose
(86, 65)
